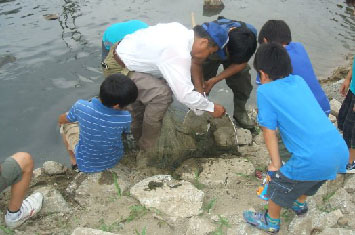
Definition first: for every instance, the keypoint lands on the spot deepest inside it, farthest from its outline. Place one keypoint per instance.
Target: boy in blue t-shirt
(285, 102)
(278, 31)
(116, 32)
(92, 129)
(346, 117)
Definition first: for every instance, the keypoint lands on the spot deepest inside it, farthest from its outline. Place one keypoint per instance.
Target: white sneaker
(30, 206)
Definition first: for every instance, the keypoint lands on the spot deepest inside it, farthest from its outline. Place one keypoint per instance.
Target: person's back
(92, 130)
(315, 143)
(278, 31)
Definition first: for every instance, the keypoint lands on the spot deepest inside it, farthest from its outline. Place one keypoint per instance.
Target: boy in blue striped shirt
(92, 130)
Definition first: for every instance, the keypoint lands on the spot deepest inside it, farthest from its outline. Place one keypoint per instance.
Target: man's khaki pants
(154, 98)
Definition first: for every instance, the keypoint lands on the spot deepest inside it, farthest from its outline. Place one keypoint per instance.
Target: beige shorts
(70, 131)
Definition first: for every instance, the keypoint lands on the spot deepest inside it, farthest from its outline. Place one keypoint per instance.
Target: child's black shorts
(346, 119)
(284, 191)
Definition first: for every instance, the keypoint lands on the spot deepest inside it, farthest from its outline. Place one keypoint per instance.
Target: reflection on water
(70, 33)
(58, 62)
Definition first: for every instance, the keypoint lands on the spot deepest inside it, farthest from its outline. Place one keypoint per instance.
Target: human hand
(272, 167)
(219, 111)
(345, 87)
(208, 85)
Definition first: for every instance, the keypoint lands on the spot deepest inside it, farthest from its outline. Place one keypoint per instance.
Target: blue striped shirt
(100, 129)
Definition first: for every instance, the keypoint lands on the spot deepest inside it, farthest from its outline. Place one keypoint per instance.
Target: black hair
(202, 33)
(273, 59)
(118, 89)
(241, 45)
(275, 31)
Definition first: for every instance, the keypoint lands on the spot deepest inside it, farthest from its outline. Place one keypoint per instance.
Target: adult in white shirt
(158, 59)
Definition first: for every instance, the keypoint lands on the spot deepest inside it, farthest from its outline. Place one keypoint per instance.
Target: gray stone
(213, 4)
(334, 185)
(349, 185)
(332, 118)
(342, 200)
(175, 198)
(244, 229)
(53, 201)
(224, 137)
(337, 231)
(244, 136)
(90, 231)
(323, 220)
(54, 168)
(259, 139)
(334, 107)
(91, 189)
(215, 171)
(199, 226)
(300, 225)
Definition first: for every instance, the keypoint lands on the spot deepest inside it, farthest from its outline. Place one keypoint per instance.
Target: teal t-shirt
(318, 151)
(352, 84)
(118, 31)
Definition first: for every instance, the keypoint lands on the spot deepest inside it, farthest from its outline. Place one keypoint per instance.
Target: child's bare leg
(274, 210)
(71, 153)
(351, 155)
(302, 199)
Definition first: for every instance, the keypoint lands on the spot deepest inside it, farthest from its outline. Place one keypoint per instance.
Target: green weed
(118, 189)
(328, 196)
(137, 211)
(6, 230)
(197, 182)
(207, 208)
(144, 231)
(287, 216)
(223, 223)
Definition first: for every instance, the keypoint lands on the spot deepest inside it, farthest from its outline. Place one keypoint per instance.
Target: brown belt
(117, 58)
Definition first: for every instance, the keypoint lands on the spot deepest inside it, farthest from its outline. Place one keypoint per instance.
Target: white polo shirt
(164, 50)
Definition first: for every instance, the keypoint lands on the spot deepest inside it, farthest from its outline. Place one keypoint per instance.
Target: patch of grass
(248, 177)
(144, 231)
(326, 197)
(223, 224)
(137, 211)
(6, 230)
(197, 182)
(208, 207)
(118, 189)
(108, 227)
(287, 216)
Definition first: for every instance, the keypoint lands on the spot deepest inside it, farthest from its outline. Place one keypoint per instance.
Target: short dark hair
(202, 33)
(241, 45)
(118, 89)
(275, 31)
(273, 59)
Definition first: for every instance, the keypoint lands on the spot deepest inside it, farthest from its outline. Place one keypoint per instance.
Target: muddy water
(57, 62)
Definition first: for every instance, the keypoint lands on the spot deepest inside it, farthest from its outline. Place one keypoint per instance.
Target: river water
(58, 61)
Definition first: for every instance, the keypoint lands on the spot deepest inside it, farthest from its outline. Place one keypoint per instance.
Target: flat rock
(91, 189)
(175, 198)
(349, 185)
(215, 171)
(200, 226)
(53, 202)
(342, 200)
(90, 231)
(225, 137)
(54, 168)
(334, 107)
(337, 231)
(244, 136)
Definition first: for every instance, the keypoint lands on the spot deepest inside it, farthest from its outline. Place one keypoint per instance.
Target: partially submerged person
(278, 31)
(158, 60)
(92, 130)
(346, 117)
(239, 49)
(116, 32)
(286, 102)
(16, 172)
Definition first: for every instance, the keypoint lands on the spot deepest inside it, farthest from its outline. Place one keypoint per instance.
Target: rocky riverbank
(196, 184)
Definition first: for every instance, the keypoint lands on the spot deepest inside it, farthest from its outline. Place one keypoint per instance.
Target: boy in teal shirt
(286, 102)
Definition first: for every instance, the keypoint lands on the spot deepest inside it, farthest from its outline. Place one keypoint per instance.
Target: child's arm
(272, 146)
(63, 119)
(345, 86)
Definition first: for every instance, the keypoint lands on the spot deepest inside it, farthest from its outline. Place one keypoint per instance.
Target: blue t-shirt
(317, 149)
(302, 66)
(352, 83)
(118, 31)
(100, 129)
